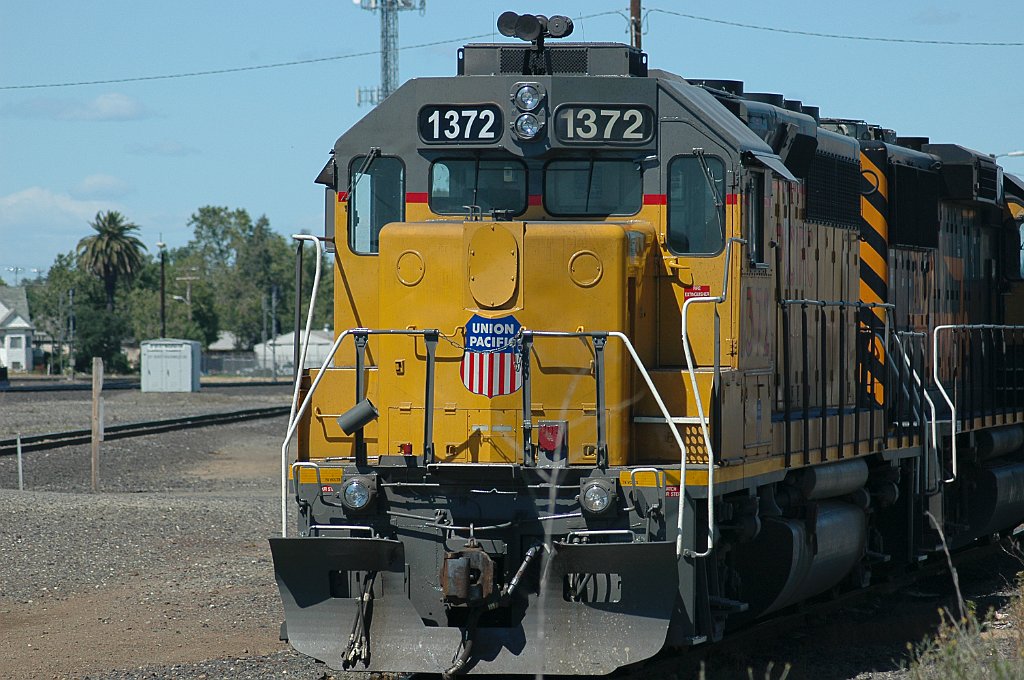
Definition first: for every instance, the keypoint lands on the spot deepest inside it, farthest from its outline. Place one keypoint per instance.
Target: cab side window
(376, 197)
(696, 205)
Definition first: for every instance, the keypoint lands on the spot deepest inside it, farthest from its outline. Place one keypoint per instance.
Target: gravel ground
(164, 574)
(167, 573)
(39, 412)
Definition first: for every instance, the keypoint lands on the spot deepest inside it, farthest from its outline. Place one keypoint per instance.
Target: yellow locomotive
(626, 360)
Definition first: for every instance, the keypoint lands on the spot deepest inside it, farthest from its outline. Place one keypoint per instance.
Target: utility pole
(162, 247)
(264, 330)
(389, 10)
(71, 332)
(188, 293)
(273, 330)
(635, 23)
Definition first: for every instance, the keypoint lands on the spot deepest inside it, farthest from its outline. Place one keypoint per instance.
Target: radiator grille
(833, 191)
(563, 61)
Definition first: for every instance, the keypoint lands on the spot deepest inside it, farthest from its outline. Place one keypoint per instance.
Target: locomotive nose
(492, 263)
(484, 284)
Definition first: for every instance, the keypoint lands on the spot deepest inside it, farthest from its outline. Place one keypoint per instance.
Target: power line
(837, 36)
(448, 41)
(261, 67)
(239, 69)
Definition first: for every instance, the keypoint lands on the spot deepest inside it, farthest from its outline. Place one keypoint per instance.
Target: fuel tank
(997, 498)
(793, 559)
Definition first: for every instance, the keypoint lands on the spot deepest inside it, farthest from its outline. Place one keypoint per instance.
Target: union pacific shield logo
(490, 365)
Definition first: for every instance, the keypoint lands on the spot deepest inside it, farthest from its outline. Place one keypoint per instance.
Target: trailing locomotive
(625, 361)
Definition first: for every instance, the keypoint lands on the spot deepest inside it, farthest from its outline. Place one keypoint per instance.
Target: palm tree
(112, 252)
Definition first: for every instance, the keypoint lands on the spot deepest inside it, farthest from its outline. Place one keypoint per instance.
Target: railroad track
(129, 384)
(808, 615)
(53, 440)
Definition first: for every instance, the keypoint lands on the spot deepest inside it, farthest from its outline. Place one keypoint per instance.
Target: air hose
(462, 660)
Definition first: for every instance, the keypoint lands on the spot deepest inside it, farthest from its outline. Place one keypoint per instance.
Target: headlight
(527, 126)
(356, 493)
(527, 97)
(597, 497)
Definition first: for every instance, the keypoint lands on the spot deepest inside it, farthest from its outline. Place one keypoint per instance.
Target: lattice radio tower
(388, 10)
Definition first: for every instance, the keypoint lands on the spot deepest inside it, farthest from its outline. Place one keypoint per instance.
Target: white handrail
(294, 421)
(700, 407)
(661, 406)
(675, 434)
(927, 397)
(298, 375)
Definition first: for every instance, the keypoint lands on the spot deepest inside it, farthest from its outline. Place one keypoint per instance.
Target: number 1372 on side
(603, 123)
(458, 124)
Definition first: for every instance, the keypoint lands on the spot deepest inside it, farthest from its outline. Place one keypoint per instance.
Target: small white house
(16, 330)
(279, 351)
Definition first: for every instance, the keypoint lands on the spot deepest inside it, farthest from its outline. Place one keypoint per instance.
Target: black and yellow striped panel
(874, 265)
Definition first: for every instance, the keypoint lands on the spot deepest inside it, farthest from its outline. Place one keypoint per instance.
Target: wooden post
(21, 472)
(97, 419)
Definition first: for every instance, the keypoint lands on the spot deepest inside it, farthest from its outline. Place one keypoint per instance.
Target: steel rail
(53, 440)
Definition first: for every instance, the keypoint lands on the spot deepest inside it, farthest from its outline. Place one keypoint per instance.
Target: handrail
(954, 425)
(298, 374)
(917, 379)
(294, 421)
(300, 465)
(661, 406)
(700, 409)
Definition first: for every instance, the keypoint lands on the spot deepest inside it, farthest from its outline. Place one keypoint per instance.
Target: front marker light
(527, 126)
(357, 493)
(597, 497)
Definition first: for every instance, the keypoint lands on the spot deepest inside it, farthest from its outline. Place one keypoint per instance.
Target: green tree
(99, 334)
(67, 301)
(243, 262)
(111, 253)
(195, 321)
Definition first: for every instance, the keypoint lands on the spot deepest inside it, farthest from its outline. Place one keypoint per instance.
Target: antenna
(389, 10)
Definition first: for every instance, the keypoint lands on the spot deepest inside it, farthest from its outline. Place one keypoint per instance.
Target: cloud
(38, 223)
(933, 16)
(112, 106)
(101, 187)
(164, 148)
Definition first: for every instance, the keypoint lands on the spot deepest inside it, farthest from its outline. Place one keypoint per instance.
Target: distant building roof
(279, 349)
(225, 342)
(287, 339)
(14, 306)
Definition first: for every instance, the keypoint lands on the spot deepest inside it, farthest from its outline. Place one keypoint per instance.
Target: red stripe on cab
(416, 197)
(535, 199)
(732, 199)
(655, 199)
(342, 197)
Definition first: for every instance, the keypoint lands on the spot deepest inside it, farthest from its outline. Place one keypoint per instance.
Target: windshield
(592, 187)
(487, 184)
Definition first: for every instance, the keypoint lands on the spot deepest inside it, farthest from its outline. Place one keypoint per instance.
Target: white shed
(170, 365)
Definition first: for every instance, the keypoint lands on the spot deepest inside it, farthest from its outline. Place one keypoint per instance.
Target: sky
(156, 149)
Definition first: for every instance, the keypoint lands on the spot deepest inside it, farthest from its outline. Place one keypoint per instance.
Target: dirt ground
(206, 596)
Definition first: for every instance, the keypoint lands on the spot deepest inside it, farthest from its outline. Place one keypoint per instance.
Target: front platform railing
(984, 368)
(524, 348)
